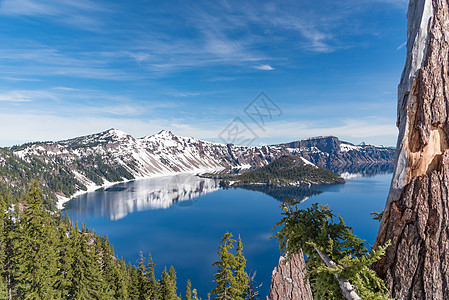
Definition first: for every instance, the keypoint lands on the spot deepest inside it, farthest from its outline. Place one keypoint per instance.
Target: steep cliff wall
(416, 217)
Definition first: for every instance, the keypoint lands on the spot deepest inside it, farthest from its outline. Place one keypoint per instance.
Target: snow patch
(348, 147)
(308, 162)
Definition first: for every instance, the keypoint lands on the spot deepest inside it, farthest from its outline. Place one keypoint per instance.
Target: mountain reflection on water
(184, 190)
(362, 170)
(297, 193)
(121, 199)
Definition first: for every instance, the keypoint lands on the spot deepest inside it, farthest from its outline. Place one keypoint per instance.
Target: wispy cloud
(79, 14)
(401, 46)
(31, 59)
(63, 88)
(14, 97)
(225, 33)
(185, 94)
(264, 67)
(25, 96)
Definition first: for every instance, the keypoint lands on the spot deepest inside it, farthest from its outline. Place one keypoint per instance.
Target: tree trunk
(416, 217)
(288, 280)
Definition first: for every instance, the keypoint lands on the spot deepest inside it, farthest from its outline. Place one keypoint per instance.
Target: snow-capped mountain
(331, 153)
(101, 159)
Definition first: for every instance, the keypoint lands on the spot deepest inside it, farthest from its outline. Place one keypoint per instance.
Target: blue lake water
(182, 219)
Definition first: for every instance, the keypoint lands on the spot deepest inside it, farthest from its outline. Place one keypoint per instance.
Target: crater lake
(181, 220)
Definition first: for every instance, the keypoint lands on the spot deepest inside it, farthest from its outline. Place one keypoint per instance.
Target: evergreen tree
(3, 248)
(241, 277)
(153, 286)
(194, 294)
(85, 272)
(188, 295)
(165, 290)
(324, 241)
(172, 274)
(65, 257)
(44, 256)
(226, 264)
(112, 273)
(142, 275)
(35, 259)
(9, 268)
(133, 290)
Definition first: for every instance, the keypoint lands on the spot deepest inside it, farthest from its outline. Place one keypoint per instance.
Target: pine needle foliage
(231, 277)
(314, 229)
(44, 256)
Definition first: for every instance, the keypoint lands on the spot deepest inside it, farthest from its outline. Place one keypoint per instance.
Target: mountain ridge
(111, 156)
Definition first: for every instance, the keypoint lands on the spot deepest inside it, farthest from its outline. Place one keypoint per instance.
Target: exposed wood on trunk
(416, 217)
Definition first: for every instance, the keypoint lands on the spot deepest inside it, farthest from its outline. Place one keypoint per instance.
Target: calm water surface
(181, 220)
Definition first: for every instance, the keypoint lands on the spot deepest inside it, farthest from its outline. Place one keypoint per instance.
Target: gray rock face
(339, 156)
(416, 218)
(288, 280)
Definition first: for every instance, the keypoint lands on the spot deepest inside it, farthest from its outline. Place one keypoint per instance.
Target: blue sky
(69, 68)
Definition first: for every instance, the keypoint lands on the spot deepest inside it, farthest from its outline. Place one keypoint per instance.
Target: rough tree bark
(288, 281)
(416, 217)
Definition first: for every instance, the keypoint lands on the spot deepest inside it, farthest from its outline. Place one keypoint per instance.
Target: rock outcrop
(339, 156)
(416, 217)
(288, 281)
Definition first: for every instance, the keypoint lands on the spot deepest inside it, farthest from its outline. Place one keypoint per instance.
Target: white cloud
(25, 96)
(24, 127)
(185, 94)
(63, 88)
(42, 127)
(14, 97)
(81, 14)
(27, 7)
(264, 67)
(401, 46)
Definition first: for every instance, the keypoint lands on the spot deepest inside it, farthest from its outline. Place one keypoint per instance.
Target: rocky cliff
(416, 217)
(339, 156)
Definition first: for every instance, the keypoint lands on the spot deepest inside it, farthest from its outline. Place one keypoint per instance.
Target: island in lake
(285, 171)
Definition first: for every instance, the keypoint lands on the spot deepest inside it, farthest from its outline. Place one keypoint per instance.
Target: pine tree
(194, 294)
(85, 272)
(65, 257)
(112, 273)
(165, 289)
(133, 290)
(336, 258)
(226, 264)
(241, 277)
(142, 275)
(153, 286)
(122, 281)
(188, 295)
(173, 287)
(3, 249)
(10, 262)
(35, 243)
(168, 285)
